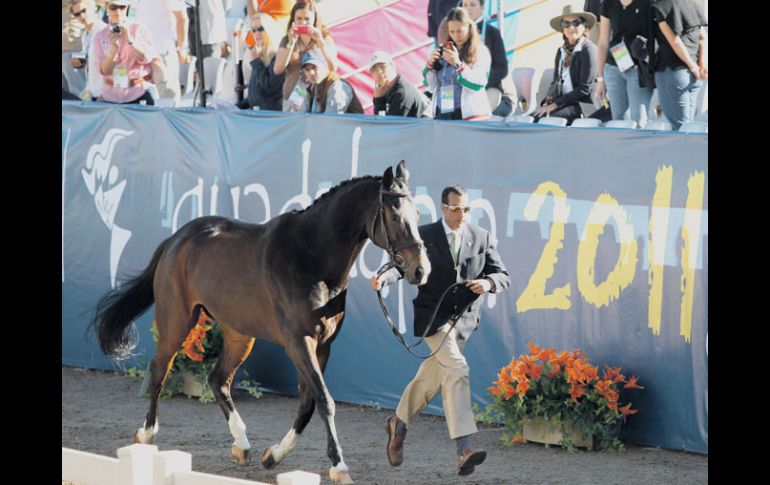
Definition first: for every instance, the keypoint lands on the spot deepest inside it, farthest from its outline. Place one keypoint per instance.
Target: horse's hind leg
(235, 349)
(173, 326)
(276, 453)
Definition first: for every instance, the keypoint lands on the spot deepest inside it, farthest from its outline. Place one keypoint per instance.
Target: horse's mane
(336, 188)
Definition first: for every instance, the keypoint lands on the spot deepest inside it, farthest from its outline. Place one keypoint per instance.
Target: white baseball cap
(380, 57)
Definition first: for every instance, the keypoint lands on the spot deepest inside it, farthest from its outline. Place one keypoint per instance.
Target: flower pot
(549, 432)
(193, 386)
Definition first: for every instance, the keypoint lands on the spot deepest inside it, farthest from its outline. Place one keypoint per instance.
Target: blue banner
(604, 233)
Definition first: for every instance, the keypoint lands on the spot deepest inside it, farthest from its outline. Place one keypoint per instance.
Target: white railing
(145, 465)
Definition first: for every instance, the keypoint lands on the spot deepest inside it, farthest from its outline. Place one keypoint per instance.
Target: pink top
(126, 56)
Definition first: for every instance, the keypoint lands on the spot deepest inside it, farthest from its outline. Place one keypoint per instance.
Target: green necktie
(454, 248)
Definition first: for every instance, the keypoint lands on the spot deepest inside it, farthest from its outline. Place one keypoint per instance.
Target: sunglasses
(258, 29)
(78, 14)
(565, 24)
(457, 208)
(118, 7)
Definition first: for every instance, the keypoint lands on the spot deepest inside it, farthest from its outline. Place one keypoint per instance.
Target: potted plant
(195, 360)
(559, 396)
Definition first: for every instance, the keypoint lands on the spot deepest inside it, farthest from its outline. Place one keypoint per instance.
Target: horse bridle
(398, 261)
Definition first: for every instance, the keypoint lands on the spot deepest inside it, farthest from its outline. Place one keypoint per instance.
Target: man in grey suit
(459, 252)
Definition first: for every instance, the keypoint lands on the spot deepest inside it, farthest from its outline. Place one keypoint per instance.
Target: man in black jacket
(392, 94)
(437, 10)
(459, 252)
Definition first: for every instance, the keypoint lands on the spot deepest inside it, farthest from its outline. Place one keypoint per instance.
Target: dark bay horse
(284, 281)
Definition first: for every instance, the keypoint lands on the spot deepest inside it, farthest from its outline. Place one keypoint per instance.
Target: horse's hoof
(267, 458)
(141, 437)
(340, 476)
(242, 457)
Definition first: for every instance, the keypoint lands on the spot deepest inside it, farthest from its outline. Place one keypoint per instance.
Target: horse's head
(395, 226)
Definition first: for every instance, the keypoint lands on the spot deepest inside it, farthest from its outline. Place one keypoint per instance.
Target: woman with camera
(457, 72)
(622, 79)
(124, 53)
(305, 31)
(575, 66)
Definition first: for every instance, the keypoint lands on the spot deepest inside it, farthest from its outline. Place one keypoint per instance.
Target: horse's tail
(116, 310)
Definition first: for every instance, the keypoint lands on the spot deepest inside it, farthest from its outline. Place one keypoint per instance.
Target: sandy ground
(101, 411)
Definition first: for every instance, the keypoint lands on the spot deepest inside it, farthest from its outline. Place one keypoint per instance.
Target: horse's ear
(402, 173)
(387, 178)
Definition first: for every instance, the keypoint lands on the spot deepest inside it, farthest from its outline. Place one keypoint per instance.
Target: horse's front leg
(235, 349)
(304, 357)
(273, 455)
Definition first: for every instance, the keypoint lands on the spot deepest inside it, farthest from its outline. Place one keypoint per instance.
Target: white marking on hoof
(339, 474)
(238, 430)
(287, 444)
(146, 436)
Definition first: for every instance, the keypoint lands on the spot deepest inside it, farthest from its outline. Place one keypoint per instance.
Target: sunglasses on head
(258, 29)
(118, 7)
(565, 24)
(78, 14)
(457, 208)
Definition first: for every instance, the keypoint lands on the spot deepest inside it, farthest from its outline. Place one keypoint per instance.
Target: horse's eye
(393, 217)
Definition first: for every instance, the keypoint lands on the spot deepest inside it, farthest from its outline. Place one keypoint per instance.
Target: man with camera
(124, 52)
(459, 252)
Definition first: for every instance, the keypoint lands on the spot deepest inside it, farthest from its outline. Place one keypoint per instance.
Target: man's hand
(376, 283)
(479, 286)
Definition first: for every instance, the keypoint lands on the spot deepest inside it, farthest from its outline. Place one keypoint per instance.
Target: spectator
(279, 10)
(305, 31)
(124, 52)
(620, 78)
(437, 10)
(265, 86)
(71, 32)
(681, 59)
(491, 37)
(85, 13)
(575, 66)
(327, 92)
(392, 94)
(167, 23)
(457, 72)
(213, 30)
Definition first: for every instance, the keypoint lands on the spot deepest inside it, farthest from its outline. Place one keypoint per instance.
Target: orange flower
(522, 388)
(614, 375)
(576, 390)
(561, 359)
(631, 384)
(555, 371)
(627, 411)
(534, 349)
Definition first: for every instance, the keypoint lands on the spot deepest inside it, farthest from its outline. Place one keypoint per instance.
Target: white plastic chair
(229, 80)
(523, 79)
(694, 127)
(520, 118)
(586, 123)
(620, 124)
(652, 113)
(657, 125)
(213, 74)
(702, 100)
(542, 86)
(553, 121)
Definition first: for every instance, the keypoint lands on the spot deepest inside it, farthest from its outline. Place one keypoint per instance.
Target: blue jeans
(624, 93)
(678, 94)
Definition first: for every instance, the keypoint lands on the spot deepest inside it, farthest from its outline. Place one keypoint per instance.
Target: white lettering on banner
(303, 199)
(63, 179)
(196, 192)
(101, 179)
(354, 152)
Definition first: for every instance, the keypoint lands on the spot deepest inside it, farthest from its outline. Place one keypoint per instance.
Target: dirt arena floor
(101, 411)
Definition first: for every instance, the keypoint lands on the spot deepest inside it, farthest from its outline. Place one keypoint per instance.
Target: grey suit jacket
(478, 258)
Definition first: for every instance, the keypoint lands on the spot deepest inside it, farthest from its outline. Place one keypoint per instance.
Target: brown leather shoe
(395, 442)
(467, 462)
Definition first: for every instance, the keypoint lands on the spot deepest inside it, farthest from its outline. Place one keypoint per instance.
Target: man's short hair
(456, 189)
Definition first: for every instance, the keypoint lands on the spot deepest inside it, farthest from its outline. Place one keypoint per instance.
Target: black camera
(116, 28)
(445, 45)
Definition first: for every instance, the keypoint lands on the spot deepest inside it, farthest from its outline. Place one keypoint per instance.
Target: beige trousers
(448, 372)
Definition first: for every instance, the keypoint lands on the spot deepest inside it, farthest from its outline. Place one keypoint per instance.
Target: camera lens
(116, 28)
